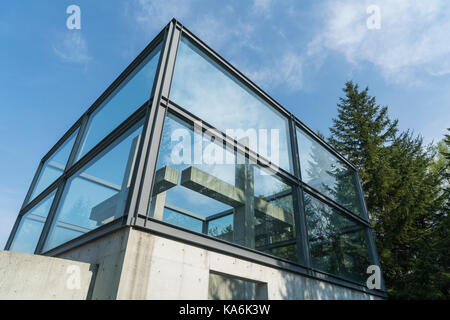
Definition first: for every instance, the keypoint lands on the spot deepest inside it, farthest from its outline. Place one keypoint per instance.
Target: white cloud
(286, 72)
(262, 6)
(72, 48)
(155, 14)
(412, 38)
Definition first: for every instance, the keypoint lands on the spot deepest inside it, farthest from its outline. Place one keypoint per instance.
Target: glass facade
(204, 172)
(97, 193)
(323, 171)
(224, 194)
(338, 245)
(211, 93)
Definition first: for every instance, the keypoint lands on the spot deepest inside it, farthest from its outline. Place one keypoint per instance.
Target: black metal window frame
(154, 112)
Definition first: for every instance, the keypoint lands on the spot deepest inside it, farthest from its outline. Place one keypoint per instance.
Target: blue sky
(301, 53)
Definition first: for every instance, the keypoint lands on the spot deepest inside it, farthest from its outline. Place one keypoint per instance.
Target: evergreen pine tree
(404, 196)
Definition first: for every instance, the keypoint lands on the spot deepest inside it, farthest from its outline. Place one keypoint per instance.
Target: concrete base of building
(134, 264)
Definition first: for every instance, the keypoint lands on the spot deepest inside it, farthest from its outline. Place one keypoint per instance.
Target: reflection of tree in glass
(337, 245)
(332, 177)
(216, 232)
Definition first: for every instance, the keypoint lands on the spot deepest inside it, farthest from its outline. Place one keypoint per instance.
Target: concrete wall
(108, 253)
(158, 268)
(28, 276)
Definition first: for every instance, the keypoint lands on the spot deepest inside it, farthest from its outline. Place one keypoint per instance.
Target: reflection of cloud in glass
(209, 92)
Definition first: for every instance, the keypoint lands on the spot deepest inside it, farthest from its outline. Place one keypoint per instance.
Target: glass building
(184, 145)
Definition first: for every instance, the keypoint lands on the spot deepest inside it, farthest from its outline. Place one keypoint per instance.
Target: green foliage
(406, 186)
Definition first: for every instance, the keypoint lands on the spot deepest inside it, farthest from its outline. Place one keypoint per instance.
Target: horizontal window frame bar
(219, 215)
(334, 205)
(190, 118)
(47, 191)
(184, 212)
(87, 237)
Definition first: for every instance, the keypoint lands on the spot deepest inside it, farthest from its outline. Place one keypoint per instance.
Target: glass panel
(126, 99)
(326, 173)
(54, 166)
(221, 227)
(31, 225)
(337, 245)
(204, 88)
(96, 194)
(223, 195)
(183, 220)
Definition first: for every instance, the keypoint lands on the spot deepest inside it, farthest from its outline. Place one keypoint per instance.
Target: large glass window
(96, 194)
(326, 173)
(54, 166)
(338, 245)
(126, 99)
(31, 225)
(205, 187)
(204, 88)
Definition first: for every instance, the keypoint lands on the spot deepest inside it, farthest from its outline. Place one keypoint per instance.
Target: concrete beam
(210, 186)
(165, 178)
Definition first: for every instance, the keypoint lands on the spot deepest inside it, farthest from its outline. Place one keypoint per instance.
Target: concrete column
(244, 216)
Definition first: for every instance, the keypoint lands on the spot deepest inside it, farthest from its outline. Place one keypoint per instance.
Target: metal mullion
(13, 232)
(333, 204)
(190, 118)
(374, 255)
(302, 228)
(33, 184)
(362, 200)
(50, 216)
(138, 200)
(372, 246)
(79, 138)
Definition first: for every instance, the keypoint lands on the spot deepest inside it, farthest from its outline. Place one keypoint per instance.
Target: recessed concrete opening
(226, 287)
